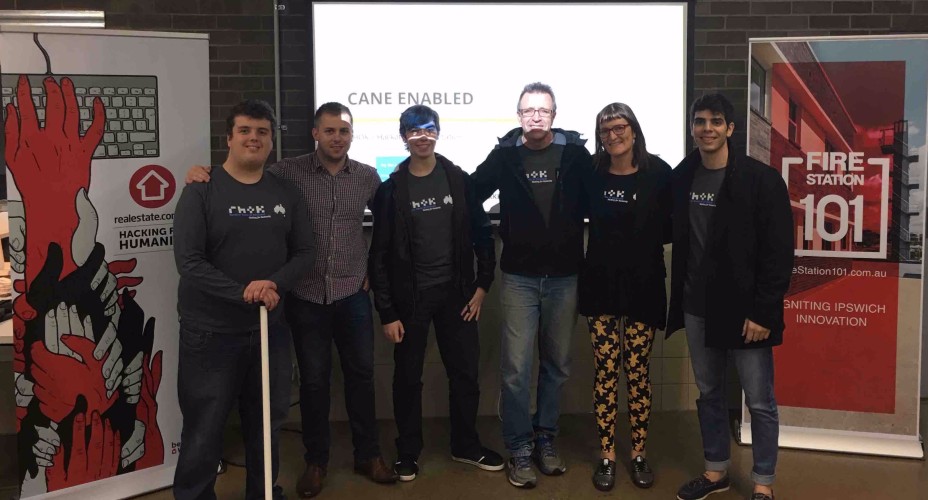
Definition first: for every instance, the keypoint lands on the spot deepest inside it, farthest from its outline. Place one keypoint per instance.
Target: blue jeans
(755, 369)
(546, 308)
(349, 323)
(216, 371)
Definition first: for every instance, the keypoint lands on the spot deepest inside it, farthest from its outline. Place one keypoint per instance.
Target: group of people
(246, 235)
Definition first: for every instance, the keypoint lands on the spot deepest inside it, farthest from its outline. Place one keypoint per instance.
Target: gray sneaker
(546, 457)
(521, 474)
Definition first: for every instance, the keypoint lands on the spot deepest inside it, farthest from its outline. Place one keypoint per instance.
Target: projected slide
(470, 61)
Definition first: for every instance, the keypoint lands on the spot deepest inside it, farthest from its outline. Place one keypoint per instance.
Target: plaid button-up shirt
(336, 207)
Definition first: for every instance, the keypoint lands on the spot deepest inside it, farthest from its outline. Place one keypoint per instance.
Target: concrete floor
(674, 454)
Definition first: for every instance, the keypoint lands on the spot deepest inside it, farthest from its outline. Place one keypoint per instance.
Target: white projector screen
(470, 62)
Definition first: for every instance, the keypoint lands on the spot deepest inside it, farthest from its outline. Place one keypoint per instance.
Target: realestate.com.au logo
(152, 186)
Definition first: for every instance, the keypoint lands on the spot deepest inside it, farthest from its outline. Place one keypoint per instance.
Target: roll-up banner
(99, 128)
(844, 120)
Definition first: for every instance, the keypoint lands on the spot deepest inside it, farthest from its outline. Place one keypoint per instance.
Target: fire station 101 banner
(844, 120)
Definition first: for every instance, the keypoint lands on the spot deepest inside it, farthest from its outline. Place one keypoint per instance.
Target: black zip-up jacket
(530, 248)
(391, 264)
(749, 252)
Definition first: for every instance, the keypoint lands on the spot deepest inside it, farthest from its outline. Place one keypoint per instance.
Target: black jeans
(459, 346)
(216, 370)
(349, 322)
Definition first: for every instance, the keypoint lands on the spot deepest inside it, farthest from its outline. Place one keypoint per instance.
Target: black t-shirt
(703, 195)
(430, 203)
(228, 234)
(541, 171)
(619, 194)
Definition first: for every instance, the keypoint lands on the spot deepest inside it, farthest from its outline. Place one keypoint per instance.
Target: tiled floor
(674, 452)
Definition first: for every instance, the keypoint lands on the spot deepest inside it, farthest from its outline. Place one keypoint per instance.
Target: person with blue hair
(429, 229)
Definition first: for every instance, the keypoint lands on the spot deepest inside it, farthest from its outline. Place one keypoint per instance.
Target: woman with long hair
(622, 284)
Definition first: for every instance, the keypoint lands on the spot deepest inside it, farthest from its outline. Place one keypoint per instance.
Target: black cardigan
(651, 230)
(749, 252)
(391, 268)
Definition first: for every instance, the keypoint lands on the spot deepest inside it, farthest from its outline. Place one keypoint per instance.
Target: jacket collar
(561, 136)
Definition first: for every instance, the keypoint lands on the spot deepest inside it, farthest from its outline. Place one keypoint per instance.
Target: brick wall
(241, 52)
(242, 64)
(724, 27)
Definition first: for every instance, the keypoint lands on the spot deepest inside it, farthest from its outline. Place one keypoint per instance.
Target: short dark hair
(417, 115)
(331, 108)
(716, 103)
(615, 111)
(537, 88)
(252, 108)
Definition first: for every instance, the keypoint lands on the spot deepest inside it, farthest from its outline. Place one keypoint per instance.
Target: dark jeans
(349, 322)
(215, 371)
(459, 346)
(755, 369)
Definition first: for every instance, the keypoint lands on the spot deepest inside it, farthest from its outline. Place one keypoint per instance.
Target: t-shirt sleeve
(300, 242)
(190, 236)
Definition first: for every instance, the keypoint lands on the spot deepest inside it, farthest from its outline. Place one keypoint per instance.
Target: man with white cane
(239, 241)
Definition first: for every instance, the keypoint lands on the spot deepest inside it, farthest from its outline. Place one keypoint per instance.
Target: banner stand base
(866, 443)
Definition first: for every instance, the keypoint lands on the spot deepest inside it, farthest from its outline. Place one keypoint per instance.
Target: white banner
(100, 127)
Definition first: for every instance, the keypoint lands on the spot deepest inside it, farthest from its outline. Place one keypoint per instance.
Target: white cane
(266, 406)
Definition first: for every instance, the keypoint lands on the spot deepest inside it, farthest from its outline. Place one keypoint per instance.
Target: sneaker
(521, 474)
(546, 457)
(642, 475)
(486, 459)
(406, 468)
(761, 496)
(604, 477)
(701, 487)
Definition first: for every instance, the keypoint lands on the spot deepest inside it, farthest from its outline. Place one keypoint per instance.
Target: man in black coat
(732, 261)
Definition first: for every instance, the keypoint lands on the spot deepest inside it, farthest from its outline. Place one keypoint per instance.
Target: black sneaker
(761, 496)
(701, 487)
(642, 475)
(406, 468)
(486, 459)
(604, 477)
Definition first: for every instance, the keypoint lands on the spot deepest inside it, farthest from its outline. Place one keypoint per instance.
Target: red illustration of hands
(23, 311)
(50, 165)
(147, 412)
(91, 458)
(60, 379)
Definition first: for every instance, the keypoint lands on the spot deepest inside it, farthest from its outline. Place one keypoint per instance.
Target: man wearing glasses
(539, 172)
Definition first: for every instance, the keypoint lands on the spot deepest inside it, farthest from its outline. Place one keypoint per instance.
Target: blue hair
(416, 116)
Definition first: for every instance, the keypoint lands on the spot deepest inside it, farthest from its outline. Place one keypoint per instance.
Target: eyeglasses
(618, 130)
(415, 132)
(530, 112)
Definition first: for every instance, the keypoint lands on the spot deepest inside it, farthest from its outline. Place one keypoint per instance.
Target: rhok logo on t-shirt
(702, 199)
(538, 177)
(617, 196)
(256, 211)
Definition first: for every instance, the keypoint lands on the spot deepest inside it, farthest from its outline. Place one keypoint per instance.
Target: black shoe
(406, 468)
(642, 475)
(761, 496)
(701, 487)
(604, 477)
(486, 459)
